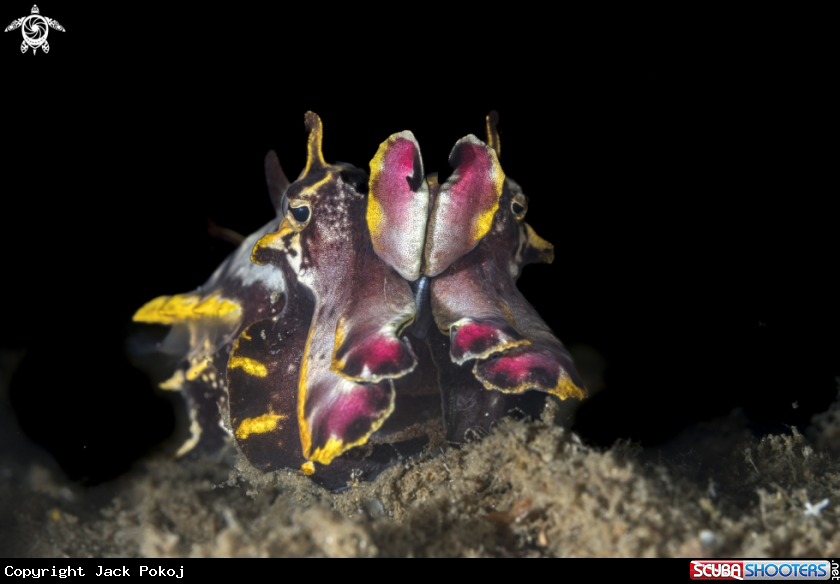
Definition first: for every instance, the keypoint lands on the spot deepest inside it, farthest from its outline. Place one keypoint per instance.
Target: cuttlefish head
(344, 363)
(322, 215)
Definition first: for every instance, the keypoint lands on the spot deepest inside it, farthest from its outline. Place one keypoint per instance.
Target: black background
(680, 179)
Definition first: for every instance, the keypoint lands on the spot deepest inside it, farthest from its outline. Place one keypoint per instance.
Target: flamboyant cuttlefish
(371, 307)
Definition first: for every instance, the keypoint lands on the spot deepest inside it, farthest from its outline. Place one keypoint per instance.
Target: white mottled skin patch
(515, 265)
(240, 266)
(499, 227)
(333, 218)
(296, 259)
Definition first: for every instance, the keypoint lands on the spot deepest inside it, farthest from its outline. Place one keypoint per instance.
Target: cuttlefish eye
(301, 214)
(519, 206)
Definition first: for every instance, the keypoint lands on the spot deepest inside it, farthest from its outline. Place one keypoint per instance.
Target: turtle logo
(35, 29)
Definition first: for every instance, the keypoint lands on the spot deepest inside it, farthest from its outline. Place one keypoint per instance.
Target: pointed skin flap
(276, 180)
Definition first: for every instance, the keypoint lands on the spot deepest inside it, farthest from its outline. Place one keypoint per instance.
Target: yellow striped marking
(174, 383)
(250, 366)
(259, 425)
(197, 369)
(305, 435)
(375, 215)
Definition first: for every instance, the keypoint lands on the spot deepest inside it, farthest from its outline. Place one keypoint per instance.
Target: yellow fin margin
(186, 307)
(485, 220)
(564, 389)
(336, 447)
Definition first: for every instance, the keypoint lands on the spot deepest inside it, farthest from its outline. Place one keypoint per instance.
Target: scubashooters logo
(763, 570)
(35, 29)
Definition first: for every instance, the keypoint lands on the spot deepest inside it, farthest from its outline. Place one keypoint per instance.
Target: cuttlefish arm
(465, 301)
(471, 309)
(352, 349)
(277, 360)
(398, 204)
(368, 343)
(287, 409)
(464, 207)
(544, 364)
(353, 335)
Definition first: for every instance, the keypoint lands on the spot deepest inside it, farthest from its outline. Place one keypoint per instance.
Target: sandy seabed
(529, 489)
